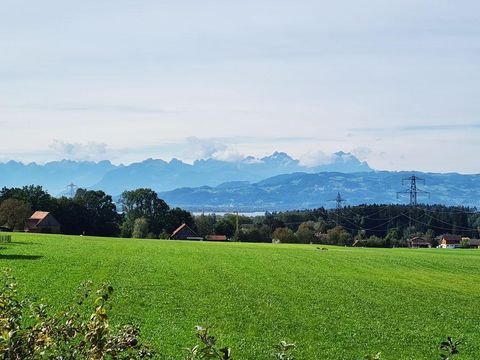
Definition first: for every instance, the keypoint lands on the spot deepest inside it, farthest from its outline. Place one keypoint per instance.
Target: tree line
(141, 213)
(93, 212)
(370, 225)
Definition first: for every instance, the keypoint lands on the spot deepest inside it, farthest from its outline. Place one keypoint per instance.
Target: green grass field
(342, 303)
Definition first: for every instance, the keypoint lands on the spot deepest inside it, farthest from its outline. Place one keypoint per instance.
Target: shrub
(284, 235)
(208, 348)
(140, 228)
(28, 331)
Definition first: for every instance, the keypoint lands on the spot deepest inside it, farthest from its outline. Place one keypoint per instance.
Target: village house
(448, 241)
(456, 241)
(184, 232)
(419, 242)
(42, 222)
(473, 243)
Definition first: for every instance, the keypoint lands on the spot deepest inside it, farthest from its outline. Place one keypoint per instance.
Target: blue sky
(394, 82)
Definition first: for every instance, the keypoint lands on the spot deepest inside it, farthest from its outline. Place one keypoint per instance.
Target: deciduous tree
(13, 213)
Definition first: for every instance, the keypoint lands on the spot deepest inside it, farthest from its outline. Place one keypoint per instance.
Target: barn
(184, 232)
(42, 222)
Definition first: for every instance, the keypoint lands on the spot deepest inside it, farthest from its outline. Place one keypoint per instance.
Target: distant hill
(303, 191)
(161, 175)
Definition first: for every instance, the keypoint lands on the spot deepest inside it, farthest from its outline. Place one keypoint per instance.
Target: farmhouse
(473, 243)
(448, 241)
(419, 242)
(456, 241)
(184, 232)
(42, 221)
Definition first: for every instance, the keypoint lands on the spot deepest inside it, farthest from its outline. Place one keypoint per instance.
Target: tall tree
(205, 224)
(73, 217)
(143, 203)
(14, 213)
(176, 217)
(101, 210)
(34, 195)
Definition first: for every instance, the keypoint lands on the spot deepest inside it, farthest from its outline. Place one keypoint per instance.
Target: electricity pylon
(72, 188)
(413, 191)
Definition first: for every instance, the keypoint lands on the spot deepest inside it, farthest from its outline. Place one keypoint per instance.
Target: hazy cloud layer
(394, 82)
(75, 151)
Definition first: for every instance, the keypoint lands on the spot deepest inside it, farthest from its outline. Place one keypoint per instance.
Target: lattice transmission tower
(72, 189)
(338, 201)
(413, 190)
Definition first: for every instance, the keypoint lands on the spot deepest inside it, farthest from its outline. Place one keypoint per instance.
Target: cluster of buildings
(446, 241)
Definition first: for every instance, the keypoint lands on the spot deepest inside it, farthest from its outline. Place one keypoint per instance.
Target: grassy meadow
(340, 303)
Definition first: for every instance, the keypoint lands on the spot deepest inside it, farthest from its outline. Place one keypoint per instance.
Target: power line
(439, 227)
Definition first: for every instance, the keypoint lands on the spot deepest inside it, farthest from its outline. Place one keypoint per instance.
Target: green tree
(140, 228)
(73, 217)
(258, 233)
(306, 232)
(176, 217)
(225, 227)
(273, 221)
(391, 240)
(339, 236)
(34, 195)
(14, 213)
(375, 241)
(284, 235)
(101, 212)
(205, 224)
(143, 203)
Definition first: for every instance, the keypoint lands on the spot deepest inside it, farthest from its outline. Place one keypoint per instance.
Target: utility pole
(236, 223)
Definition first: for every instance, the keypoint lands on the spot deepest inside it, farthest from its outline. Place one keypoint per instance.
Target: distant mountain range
(54, 176)
(275, 182)
(161, 175)
(306, 191)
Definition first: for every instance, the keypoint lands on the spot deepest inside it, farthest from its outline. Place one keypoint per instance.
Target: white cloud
(198, 148)
(315, 158)
(361, 152)
(229, 155)
(75, 151)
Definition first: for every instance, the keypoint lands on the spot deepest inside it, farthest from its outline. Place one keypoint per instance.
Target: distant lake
(249, 214)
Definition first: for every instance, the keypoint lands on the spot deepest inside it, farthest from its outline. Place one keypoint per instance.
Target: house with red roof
(42, 222)
(448, 241)
(184, 232)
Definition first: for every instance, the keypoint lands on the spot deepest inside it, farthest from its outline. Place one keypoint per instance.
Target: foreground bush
(28, 331)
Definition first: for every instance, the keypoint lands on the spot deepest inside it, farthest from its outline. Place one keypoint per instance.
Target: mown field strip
(341, 303)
